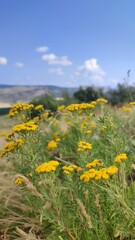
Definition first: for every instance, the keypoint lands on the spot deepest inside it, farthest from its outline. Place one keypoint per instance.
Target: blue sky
(67, 42)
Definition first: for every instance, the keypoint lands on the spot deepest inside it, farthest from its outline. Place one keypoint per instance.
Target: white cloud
(42, 49)
(19, 64)
(57, 71)
(3, 61)
(93, 71)
(52, 59)
(91, 66)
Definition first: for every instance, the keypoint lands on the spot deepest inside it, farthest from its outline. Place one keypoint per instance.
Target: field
(68, 175)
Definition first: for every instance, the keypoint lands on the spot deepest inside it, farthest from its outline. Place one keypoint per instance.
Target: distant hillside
(12, 94)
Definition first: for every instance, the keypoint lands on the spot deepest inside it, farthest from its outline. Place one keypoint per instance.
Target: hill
(12, 94)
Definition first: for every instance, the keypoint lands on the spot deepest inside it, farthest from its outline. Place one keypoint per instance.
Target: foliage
(72, 174)
(47, 101)
(122, 94)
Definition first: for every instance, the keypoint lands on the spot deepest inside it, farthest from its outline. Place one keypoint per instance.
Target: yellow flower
(10, 135)
(17, 108)
(39, 107)
(121, 157)
(28, 126)
(98, 176)
(36, 119)
(79, 169)
(112, 170)
(101, 100)
(47, 166)
(20, 142)
(81, 106)
(51, 145)
(61, 108)
(94, 163)
(19, 181)
(29, 174)
(126, 109)
(87, 176)
(131, 104)
(82, 146)
(11, 146)
(87, 131)
(71, 168)
(45, 115)
(105, 176)
(56, 136)
(94, 102)
(66, 172)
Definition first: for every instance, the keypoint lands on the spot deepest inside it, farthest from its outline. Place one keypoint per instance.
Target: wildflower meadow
(71, 174)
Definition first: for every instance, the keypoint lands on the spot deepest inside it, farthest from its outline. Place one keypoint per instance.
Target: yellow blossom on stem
(39, 107)
(87, 131)
(121, 157)
(82, 146)
(101, 100)
(126, 109)
(52, 145)
(87, 176)
(10, 135)
(94, 163)
(17, 108)
(28, 126)
(131, 104)
(61, 108)
(19, 181)
(112, 170)
(47, 167)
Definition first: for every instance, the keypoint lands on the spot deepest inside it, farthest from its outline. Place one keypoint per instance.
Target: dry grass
(13, 204)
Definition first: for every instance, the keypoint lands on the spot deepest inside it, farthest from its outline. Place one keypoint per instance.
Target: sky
(67, 43)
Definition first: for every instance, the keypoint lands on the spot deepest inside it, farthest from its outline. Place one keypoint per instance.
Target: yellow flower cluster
(81, 106)
(11, 146)
(36, 119)
(51, 145)
(126, 109)
(19, 142)
(101, 100)
(61, 108)
(71, 168)
(28, 126)
(47, 166)
(44, 115)
(39, 107)
(82, 146)
(103, 173)
(121, 157)
(56, 136)
(94, 163)
(17, 108)
(131, 104)
(10, 135)
(88, 131)
(19, 181)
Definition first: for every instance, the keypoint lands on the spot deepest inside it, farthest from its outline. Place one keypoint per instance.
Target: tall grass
(66, 177)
